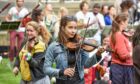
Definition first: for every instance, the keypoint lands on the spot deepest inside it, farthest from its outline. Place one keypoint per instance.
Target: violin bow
(5, 7)
(77, 57)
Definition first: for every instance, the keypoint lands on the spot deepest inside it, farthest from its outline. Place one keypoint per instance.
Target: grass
(6, 75)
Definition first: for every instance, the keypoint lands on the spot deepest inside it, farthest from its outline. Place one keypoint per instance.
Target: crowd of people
(51, 45)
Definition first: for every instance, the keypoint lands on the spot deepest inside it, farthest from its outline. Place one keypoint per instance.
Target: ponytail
(45, 34)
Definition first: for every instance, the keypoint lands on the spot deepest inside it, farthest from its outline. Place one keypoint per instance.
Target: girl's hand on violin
(69, 72)
(100, 51)
(31, 44)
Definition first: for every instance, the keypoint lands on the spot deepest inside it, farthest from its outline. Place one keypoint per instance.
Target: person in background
(136, 55)
(138, 11)
(63, 11)
(125, 8)
(16, 13)
(102, 69)
(85, 20)
(31, 57)
(70, 62)
(117, 6)
(99, 22)
(99, 17)
(50, 18)
(107, 59)
(104, 9)
(133, 11)
(84, 15)
(121, 69)
(38, 16)
(108, 18)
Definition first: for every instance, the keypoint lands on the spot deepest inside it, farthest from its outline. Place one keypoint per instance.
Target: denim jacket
(57, 53)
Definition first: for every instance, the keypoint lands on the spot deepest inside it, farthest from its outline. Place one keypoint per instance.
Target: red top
(25, 21)
(122, 49)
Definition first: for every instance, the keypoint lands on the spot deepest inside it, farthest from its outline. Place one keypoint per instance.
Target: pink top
(122, 49)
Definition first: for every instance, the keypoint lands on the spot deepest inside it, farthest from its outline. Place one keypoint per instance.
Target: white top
(100, 18)
(18, 15)
(93, 18)
(85, 17)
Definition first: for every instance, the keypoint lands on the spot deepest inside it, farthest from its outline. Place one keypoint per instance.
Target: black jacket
(35, 64)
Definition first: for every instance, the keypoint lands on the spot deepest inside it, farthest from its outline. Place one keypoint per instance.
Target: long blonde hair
(42, 31)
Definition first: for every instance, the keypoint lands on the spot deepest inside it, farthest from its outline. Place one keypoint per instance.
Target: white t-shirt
(85, 17)
(100, 18)
(18, 15)
(93, 18)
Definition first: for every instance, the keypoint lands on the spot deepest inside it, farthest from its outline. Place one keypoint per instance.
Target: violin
(87, 45)
(128, 32)
(74, 44)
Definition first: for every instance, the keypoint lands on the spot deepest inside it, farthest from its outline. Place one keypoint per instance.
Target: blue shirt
(108, 20)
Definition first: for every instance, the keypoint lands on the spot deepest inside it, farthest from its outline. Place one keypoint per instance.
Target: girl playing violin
(31, 57)
(121, 68)
(69, 63)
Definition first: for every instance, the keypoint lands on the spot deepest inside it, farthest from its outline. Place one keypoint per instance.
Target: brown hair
(82, 4)
(96, 5)
(115, 25)
(18, 0)
(102, 8)
(35, 14)
(126, 5)
(111, 6)
(41, 31)
(63, 23)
